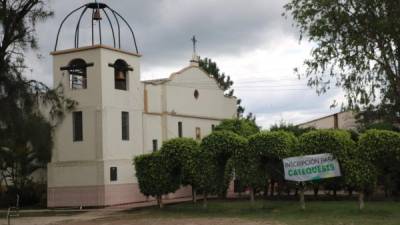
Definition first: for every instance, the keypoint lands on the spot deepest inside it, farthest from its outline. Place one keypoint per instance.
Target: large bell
(120, 75)
(96, 15)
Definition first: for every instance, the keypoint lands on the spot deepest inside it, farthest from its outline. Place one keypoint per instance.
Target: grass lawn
(286, 212)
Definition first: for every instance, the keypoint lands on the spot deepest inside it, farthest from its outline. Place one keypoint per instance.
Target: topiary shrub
(182, 155)
(154, 176)
(382, 149)
(270, 148)
(242, 127)
(249, 173)
(337, 142)
(221, 146)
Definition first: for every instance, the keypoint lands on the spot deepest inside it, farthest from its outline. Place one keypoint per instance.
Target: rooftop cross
(194, 40)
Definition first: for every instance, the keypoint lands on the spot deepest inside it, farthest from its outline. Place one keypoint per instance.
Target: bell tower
(95, 143)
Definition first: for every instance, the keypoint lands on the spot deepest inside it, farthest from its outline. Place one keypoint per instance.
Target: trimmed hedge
(274, 145)
(181, 154)
(270, 148)
(242, 127)
(154, 177)
(337, 142)
(382, 149)
(221, 145)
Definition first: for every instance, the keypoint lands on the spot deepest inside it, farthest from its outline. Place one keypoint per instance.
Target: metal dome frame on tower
(96, 9)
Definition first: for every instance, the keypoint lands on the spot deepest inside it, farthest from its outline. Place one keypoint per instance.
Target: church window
(155, 145)
(196, 94)
(198, 133)
(77, 126)
(121, 69)
(113, 173)
(180, 131)
(125, 125)
(77, 70)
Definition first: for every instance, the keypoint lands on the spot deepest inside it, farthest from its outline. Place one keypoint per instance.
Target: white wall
(152, 130)
(189, 126)
(211, 101)
(88, 162)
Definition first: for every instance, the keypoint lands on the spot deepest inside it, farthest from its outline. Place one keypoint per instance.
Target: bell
(120, 75)
(96, 15)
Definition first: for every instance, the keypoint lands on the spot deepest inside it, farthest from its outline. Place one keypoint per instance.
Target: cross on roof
(194, 41)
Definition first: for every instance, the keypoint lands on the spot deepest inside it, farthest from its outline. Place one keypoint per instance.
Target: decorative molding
(174, 114)
(72, 50)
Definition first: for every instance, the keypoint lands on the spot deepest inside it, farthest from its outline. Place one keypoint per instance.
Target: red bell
(96, 15)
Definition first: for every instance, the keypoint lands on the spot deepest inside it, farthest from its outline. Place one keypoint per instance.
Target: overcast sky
(249, 40)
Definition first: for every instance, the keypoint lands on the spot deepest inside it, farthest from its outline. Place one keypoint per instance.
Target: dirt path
(53, 220)
(115, 218)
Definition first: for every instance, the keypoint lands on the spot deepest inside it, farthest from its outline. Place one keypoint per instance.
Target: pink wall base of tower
(100, 196)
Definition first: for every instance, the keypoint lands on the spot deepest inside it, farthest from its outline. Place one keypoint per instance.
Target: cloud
(249, 40)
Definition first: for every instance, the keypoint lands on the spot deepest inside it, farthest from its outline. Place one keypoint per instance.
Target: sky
(249, 40)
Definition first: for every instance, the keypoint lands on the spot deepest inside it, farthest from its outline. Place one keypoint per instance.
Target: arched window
(77, 70)
(121, 69)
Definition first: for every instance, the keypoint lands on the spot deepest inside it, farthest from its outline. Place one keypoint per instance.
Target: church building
(118, 116)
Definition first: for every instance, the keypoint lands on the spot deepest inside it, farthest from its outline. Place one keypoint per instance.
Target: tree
(155, 177)
(296, 130)
(336, 142)
(249, 172)
(271, 148)
(242, 127)
(182, 156)
(206, 175)
(25, 131)
(361, 176)
(224, 82)
(357, 47)
(222, 145)
(382, 149)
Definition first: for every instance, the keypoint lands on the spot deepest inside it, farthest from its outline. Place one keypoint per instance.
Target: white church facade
(118, 117)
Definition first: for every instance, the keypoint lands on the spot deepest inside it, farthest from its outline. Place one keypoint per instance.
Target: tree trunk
(194, 195)
(252, 195)
(302, 201)
(160, 201)
(316, 190)
(272, 184)
(350, 192)
(205, 200)
(361, 200)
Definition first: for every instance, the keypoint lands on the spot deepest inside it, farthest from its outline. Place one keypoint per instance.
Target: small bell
(96, 15)
(120, 75)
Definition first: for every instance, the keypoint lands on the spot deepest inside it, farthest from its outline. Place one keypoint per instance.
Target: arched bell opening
(121, 73)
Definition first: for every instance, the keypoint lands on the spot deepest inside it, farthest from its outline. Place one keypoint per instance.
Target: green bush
(382, 149)
(221, 146)
(242, 127)
(181, 155)
(248, 171)
(154, 176)
(270, 148)
(337, 142)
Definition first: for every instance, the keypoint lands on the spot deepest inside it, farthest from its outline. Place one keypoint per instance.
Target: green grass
(287, 212)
